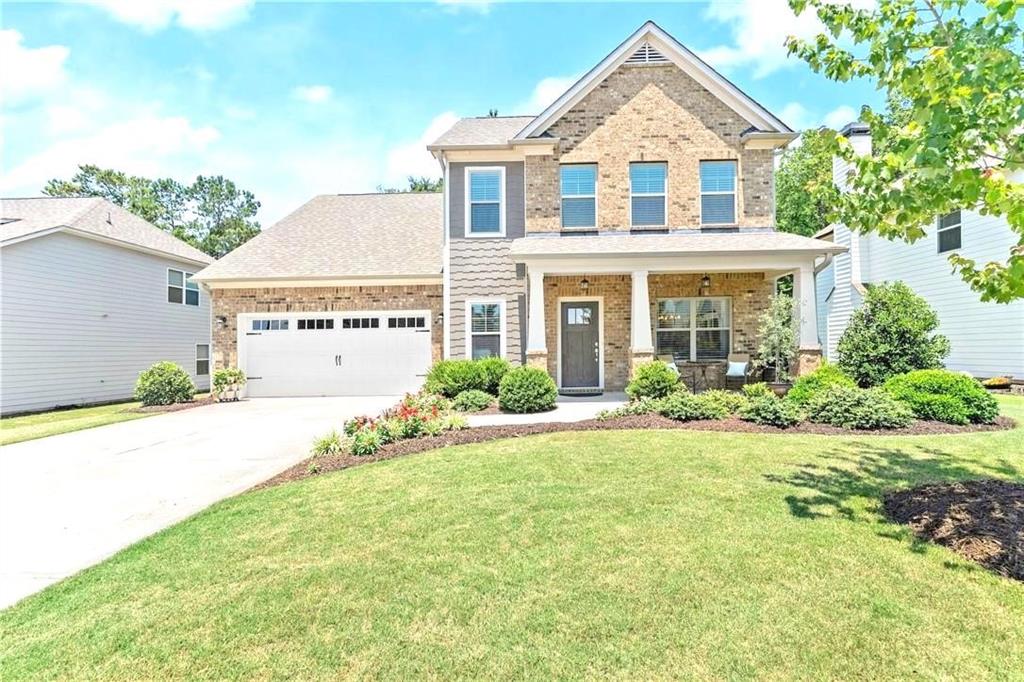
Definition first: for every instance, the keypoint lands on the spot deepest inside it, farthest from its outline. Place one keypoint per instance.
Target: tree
(777, 334)
(211, 214)
(804, 191)
(416, 185)
(957, 68)
(892, 333)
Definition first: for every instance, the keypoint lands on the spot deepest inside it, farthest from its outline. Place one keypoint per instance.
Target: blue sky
(295, 99)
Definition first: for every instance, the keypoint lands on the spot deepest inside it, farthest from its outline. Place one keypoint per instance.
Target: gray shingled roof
(342, 236)
(680, 242)
(483, 130)
(23, 218)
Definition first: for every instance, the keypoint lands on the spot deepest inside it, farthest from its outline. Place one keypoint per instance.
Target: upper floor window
(648, 201)
(181, 288)
(485, 198)
(949, 232)
(579, 195)
(717, 192)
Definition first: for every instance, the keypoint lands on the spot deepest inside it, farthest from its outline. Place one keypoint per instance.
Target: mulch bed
(177, 407)
(980, 520)
(484, 434)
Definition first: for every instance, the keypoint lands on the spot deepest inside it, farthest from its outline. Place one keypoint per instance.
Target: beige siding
(483, 269)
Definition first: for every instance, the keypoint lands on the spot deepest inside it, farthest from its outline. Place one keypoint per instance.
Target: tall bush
(777, 331)
(892, 333)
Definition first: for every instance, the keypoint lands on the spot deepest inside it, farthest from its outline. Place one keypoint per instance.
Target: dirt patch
(177, 407)
(484, 434)
(980, 520)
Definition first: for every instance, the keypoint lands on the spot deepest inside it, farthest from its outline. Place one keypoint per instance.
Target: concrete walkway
(567, 409)
(69, 501)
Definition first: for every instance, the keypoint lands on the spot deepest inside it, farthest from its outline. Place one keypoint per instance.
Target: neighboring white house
(91, 295)
(987, 339)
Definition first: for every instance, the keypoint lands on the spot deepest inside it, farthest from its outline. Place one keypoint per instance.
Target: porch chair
(738, 369)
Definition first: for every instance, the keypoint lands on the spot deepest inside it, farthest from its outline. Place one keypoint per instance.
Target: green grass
(30, 426)
(604, 554)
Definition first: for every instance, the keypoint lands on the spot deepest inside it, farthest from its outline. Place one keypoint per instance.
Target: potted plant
(227, 382)
(777, 348)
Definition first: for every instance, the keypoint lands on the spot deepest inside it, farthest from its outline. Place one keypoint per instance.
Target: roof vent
(647, 54)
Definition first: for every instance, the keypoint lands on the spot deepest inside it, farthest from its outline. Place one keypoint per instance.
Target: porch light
(705, 282)
(222, 321)
(584, 284)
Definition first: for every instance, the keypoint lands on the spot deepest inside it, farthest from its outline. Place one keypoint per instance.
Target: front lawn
(30, 426)
(647, 554)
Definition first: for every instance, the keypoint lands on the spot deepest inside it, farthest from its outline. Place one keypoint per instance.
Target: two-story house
(632, 218)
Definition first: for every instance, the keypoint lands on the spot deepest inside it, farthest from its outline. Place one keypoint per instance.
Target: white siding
(80, 319)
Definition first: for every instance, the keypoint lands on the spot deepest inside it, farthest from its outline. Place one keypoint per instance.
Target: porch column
(641, 345)
(809, 350)
(536, 339)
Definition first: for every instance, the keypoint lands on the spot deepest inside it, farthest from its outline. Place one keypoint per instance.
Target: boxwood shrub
(654, 379)
(165, 383)
(452, 377)
(472, 401)
(527, 389)
(813, 383)
(686, 407)
(732, 402)
(850, 407)
(758, 390)
(771, 411)
(942, 395)
(492, 370)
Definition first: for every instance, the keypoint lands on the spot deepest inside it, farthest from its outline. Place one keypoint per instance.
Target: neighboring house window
(485, 329)
(579, 195)
(718, 192)
(181, 288)
(647, 194)
(949, 232)
(693, 328)
(202, 359)
(486, 194)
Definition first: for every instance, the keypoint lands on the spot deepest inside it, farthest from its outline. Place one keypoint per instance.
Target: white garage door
(313, 354)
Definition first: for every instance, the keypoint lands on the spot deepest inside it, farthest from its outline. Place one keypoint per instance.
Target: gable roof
(92, 217)
(482, 131)
(335, 236)
(650, 37)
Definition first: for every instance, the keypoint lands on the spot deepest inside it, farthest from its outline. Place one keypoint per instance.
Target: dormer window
(485, 199)
(718, 192)
(648, 200)
(579, 195)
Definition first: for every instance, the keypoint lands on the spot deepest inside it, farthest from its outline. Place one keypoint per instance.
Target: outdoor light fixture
(584, 284)
(440, 318)
(705, 282)
(221, 321)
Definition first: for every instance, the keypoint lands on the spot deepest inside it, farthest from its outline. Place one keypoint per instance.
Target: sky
(291, 100)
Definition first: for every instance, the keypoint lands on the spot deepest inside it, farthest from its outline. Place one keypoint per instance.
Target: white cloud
(796, 116)
(478, 6)
(759, 31)
(840, 116)
(312, 94)
(29, 72)
(413, 158)
(544, 93)
(197, 15)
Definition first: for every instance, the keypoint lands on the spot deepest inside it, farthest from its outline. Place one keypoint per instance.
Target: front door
(581, 350)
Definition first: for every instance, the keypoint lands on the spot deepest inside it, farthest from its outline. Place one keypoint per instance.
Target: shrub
(227, 377)
(367, 441)
(893, 332)
(686, 407)
(453, 422)
(997, 382)
(527, 389)
(632, 408)
(770, 411)
(851, 407)
(356, 423)
(945, 396)
(165, 383)
(654, 379)
(809, 385)
(330, 444)
(732, 402)
(425, 402)
(452, 377)
(758, 390)
(472, 401)
(492, 369)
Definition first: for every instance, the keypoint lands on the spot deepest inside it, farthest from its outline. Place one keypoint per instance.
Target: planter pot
(780, 388)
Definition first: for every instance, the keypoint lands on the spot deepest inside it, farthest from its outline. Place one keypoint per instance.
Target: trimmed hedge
(653, 379)
(758, 390)
(945, 396)
(850, 407)
(492, 370)
(731, 401)
(824, 377)
(165, 383)
(472, 401)
(686, 407)
(527, 389)
(771, 411)
(451, 377)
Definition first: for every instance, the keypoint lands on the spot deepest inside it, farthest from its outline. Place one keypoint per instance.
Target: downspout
(446, 262)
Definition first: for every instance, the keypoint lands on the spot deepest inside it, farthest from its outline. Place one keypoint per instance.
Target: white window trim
(939, 230)
(208, 359)
(693, 329)
(467, 227)
(562, 195)
(600, 337)
(664, 194)
(502, 322)
(735, 195)
(184, 287)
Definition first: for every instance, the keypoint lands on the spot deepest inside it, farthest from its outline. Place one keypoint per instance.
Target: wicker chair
(734, 374)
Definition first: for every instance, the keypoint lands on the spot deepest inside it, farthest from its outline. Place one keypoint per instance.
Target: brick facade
(649, 114)
(228, 303)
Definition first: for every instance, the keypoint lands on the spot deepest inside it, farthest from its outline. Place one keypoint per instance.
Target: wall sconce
(705, 282)
(440, 318)
(222, 321)
(584, 284)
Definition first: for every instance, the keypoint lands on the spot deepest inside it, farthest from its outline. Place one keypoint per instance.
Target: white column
(640, 334)
(536, 341)
(803, 293)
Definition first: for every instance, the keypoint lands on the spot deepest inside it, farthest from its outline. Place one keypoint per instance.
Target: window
(202, 359)
(181, 288)
(579, 196)
(269, 325)
(949, 232)
(693, 328)
(485, 193)
(718, 192)
(407, 323)
(360, 323)
(485, 329)
(647, 194)
(315, 323)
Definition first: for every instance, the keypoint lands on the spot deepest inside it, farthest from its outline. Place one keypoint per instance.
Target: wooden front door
(581, 351)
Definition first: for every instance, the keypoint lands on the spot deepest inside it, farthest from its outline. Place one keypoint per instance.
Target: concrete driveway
(69, 501)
